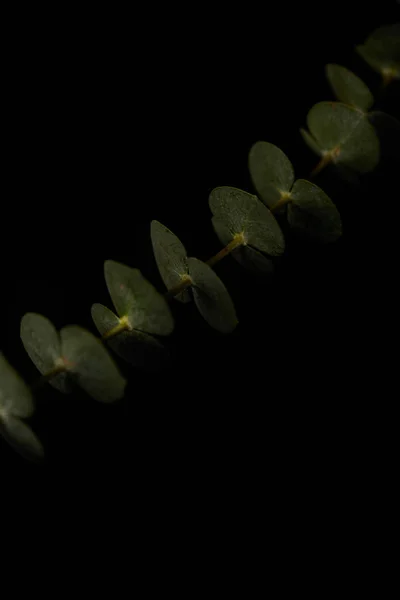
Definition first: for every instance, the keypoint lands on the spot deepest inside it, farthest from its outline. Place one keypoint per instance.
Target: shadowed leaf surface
(211, 297)
(137, 348)
(312, 213)
(91, 364)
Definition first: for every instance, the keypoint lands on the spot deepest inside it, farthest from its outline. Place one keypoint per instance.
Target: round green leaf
(137, 299)
(349, 88)
(91, 365)
(312, 213)
(137, 348)
(345, 133)
(247, 256)
(171, 258)
(211, 297)
(15, 396)
(42, 342)
(242, 212)
(381, 50)
(21, 438)
(271, 172)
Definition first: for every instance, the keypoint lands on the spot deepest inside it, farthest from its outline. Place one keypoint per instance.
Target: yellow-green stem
(237, 241)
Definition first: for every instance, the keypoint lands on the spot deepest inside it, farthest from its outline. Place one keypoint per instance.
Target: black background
(111, 124)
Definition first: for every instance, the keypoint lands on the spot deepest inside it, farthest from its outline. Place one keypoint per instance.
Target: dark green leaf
(90, 363)
(136, 347)
(381, 50)
(171, 258)
(345, 133)
(312, 213)
(247, 256)
(243, 213)
(211, 297)
(271, 172)
(349, 88)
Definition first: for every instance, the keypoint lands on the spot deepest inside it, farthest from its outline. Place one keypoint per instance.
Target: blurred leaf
(171, 258)
(311, 142)
(247, 256)
(15, 395)
(42, 342)
(345, 134)
(136, 347)
(244, 213)
(271, 172)
(91, 364)
(381, 50)
(21, 438)
(212, 297)
(312, 213)
(16, 401)
(137, 299)
(388, 131)
(349, 88)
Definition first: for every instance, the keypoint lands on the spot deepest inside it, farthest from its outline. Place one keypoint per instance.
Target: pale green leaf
(137, 299)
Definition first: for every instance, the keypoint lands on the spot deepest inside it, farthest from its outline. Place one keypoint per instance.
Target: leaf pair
(310, 211)
(209, 293)
(381, 51)
(240, 215)
(342, 135)
(16, 403)
(141, 311)
(73, 355)
(351, 90)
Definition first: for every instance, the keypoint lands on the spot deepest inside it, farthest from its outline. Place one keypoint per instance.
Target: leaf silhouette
(271, 172)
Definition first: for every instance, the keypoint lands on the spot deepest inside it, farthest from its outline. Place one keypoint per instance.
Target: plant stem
(284, 199)
(123, 325)
(237, 241)
(185, 283)
(325, 160)
(61, 368)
